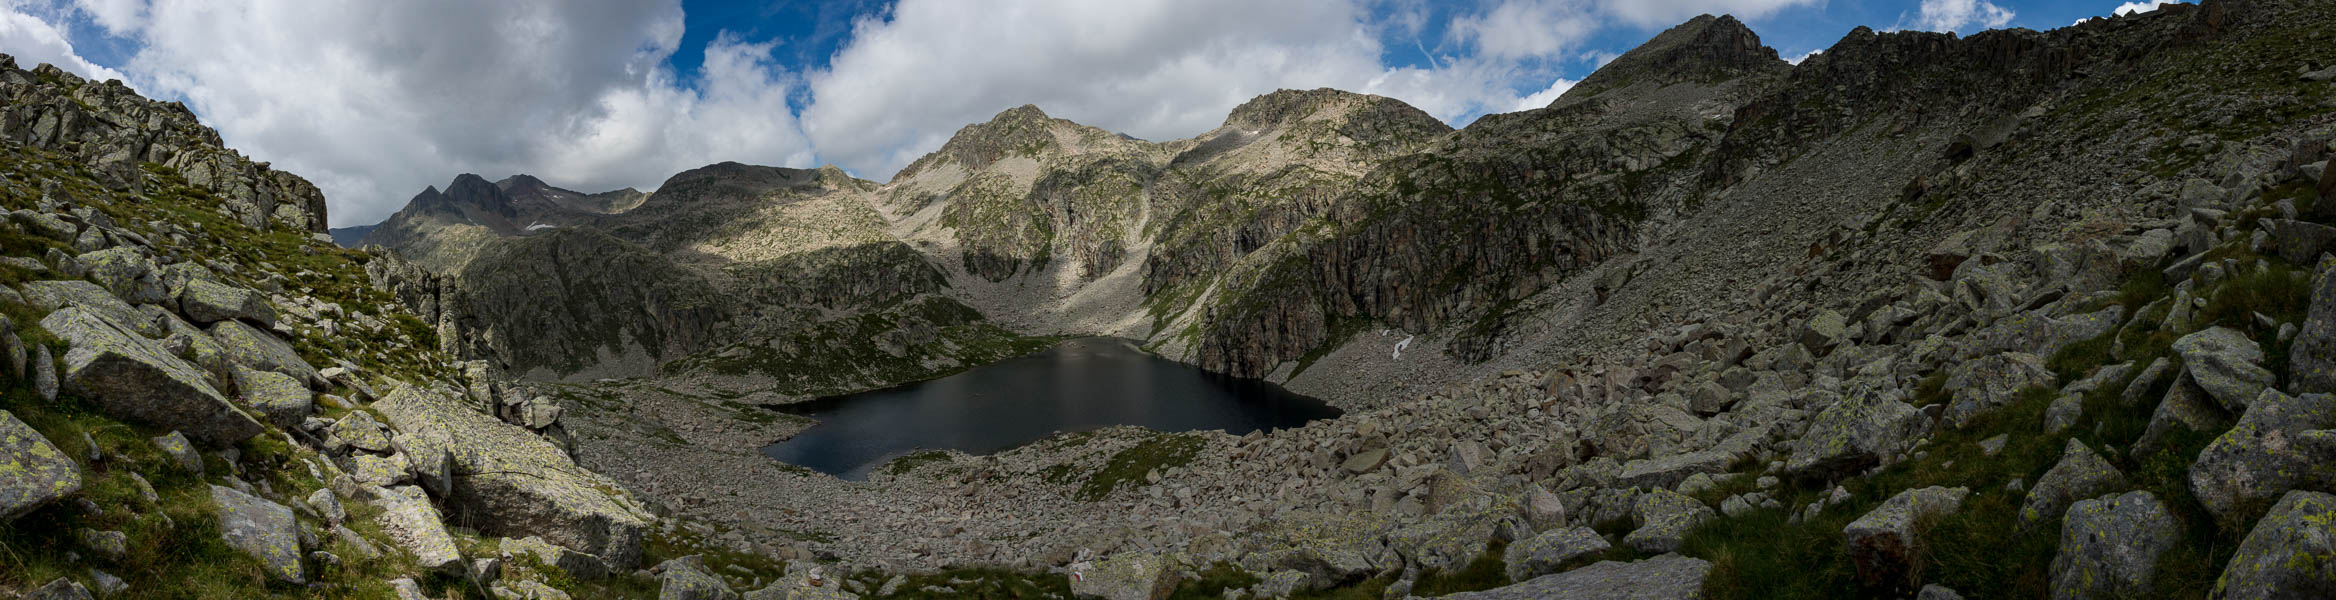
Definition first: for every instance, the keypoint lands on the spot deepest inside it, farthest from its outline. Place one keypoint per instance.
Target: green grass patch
(906, 464)
(1127, 468)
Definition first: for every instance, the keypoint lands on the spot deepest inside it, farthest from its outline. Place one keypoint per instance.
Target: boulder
(798, 590)
(2287, 554)
(2079, 474)
(2226, 364)
(1129, 576)
(512, 483)
(205, 301)
(1857, 433)
(2186, 407)
(359, 430)
(1330, 548)
(2312, 358)
(1883, 543)
(55, 295)
(38, 472)
(1666, 577)
(577, 564)
(1451, 537)
(1669, 470)
(687, 578)
(413, 524)
(262, 350)
(2109, 547)
(263, 529)
(175, 446)
(126, 273)
(1551, 550)
(2299, 242)
(276, 396)
(133, 379)
(1822, 332)
(327, 504)
(1984, 385)
(59, 589)
(1365, 461)
(2258, 459)
(1663, 518)
(2037, 332)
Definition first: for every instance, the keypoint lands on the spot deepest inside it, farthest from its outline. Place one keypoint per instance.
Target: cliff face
(115, 132)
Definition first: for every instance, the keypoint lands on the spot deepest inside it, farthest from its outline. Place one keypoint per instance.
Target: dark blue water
(1081, 384)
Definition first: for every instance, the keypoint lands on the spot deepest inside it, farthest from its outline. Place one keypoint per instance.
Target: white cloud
(1155, 69)
(32, 40)
(374, 100)
(1958, 15)
(118, 17)
(1527, 28)
(1665, 13)
(2139, 7)
(1544, 97)
(1804, 56)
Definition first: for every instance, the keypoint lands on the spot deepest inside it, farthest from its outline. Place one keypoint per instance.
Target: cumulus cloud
(118, 17)
(374, 100)
(1664, 13)
(1959, 15)
(34, 40)
(2139, 7)
(1156, 69)
(1544, 97)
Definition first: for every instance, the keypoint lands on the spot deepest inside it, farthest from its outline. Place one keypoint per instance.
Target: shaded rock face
(113, 131)
(2263, 456)
(564, 298)
(1705, 49)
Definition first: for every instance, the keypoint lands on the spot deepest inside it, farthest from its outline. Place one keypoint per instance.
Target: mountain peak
(1286, 106)
(1705, 49)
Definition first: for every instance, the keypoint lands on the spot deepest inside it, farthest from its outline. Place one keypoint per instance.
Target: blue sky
(375, 100)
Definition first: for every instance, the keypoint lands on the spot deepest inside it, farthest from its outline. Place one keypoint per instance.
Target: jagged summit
(1705, 49)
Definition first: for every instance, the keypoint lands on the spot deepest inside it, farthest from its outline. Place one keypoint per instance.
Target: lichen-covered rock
(1666, 577)
(1127, 576)
(1669, 470)
(413, 524)
(2312, 358)
(510, 482)
(1883, 544)
(263, 529)
(276, 396)
(2290, 553)
(175, 446)
(2109, 547)
(2079, 474)
(35, 473)
(1457, 534)
(1983, 385)
(262, 350)
(378, 470)
(55, 295)
(1822, 332)
(798, 590)
(1546, 553)
(59, 589)
(687, 578)
(2186, 407)
(132, 379)
(205, 302)
(2226, 364)
(1331, 548)
(2257, 461)
(577, 564)
(1856, 433)
(1663, 518)
(128, 274)
(362, 432)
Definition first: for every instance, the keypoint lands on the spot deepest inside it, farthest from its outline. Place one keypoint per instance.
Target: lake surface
(1081, 384)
